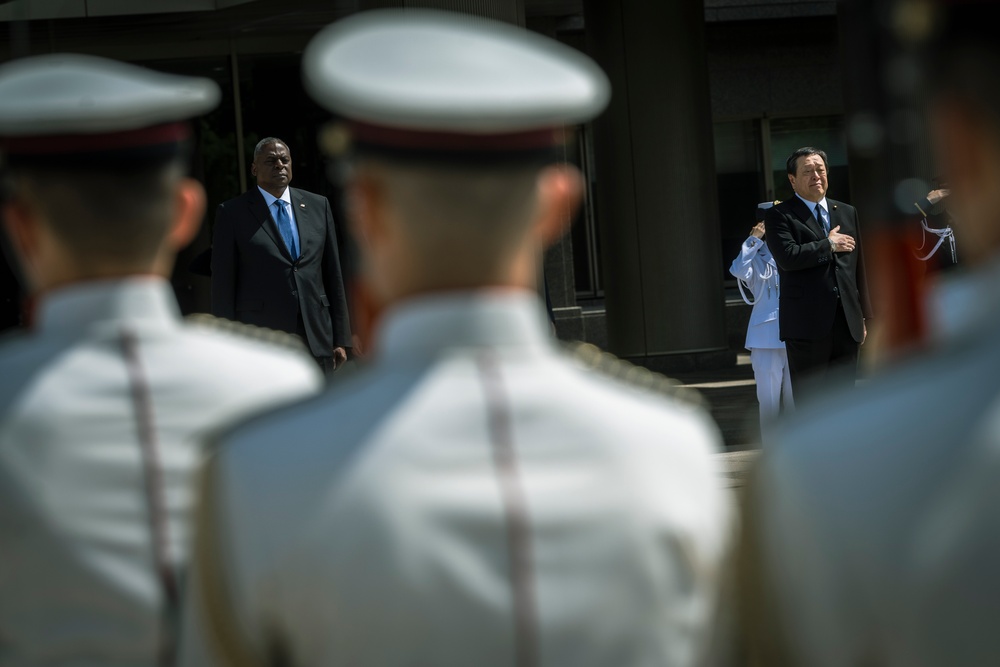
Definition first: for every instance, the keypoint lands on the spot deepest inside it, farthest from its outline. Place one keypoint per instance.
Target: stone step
(732, 397)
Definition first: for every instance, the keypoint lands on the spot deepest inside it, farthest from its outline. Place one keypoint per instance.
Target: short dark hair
(267, 141)
(464, 219)
(104, 215)
(792, 165)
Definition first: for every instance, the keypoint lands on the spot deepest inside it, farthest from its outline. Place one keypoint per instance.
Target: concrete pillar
(656, 187)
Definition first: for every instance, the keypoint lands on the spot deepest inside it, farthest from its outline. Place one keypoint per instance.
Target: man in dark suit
(275, 262)
(816, 243)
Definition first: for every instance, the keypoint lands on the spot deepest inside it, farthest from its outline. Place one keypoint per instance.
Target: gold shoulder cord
(263, 334)
(612, 367)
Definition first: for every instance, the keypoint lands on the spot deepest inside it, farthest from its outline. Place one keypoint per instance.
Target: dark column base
(569, 324)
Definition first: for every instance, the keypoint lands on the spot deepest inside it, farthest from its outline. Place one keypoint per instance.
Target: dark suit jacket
(255, 280)
(812, 275)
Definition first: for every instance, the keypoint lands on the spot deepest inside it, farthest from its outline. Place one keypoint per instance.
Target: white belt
(766, 278)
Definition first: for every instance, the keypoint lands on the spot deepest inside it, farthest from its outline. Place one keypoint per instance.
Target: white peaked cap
(440, 72)
(61, 94)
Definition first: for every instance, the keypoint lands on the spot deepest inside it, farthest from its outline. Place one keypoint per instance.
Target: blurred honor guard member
(275, 261)
(879, 518)
(476, 497)
(755, 266)
(816, 243)
(102, 399)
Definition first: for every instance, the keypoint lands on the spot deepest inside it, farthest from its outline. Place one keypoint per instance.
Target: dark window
(740, 177)
(825, 132)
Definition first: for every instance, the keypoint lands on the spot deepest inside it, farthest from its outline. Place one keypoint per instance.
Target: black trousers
(821, 363)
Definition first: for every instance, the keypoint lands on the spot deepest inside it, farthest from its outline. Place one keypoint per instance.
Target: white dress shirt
(825, 209)
(272, 208)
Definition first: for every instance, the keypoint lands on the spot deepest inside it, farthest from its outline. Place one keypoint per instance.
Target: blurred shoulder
(901, 426)
(624, 403)
(648, 432)
(22, 358)
(11, 340)
(245, 334)
(354, 400)
(237, 344)
(624, 376)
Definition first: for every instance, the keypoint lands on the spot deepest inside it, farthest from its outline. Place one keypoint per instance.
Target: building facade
(710, 96)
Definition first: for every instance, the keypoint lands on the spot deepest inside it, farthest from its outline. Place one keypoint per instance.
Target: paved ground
(734, 466)
(732, 395)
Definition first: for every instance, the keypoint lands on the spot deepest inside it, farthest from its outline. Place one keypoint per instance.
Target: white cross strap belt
(945, 233)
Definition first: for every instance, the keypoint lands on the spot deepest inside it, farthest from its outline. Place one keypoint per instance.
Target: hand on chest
(809, 228)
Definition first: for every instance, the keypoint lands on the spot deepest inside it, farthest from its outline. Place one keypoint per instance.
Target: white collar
(812, 205)
(137, 299)
(424, 327)
(269, 199)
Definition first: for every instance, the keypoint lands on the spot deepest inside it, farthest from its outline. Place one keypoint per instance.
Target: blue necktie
(821, 220)
(285, 228)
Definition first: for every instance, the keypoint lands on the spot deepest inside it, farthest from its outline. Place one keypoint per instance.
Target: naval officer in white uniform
(876, 512)
(476, 496)
(755, 267)
(104, 397)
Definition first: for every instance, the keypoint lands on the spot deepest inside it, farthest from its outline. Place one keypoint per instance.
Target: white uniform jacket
(879, 521)
(101, 406)
(755, 266)
(473, 498)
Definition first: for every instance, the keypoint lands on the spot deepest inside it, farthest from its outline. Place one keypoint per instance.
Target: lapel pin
(303, 206)
(834, 207)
